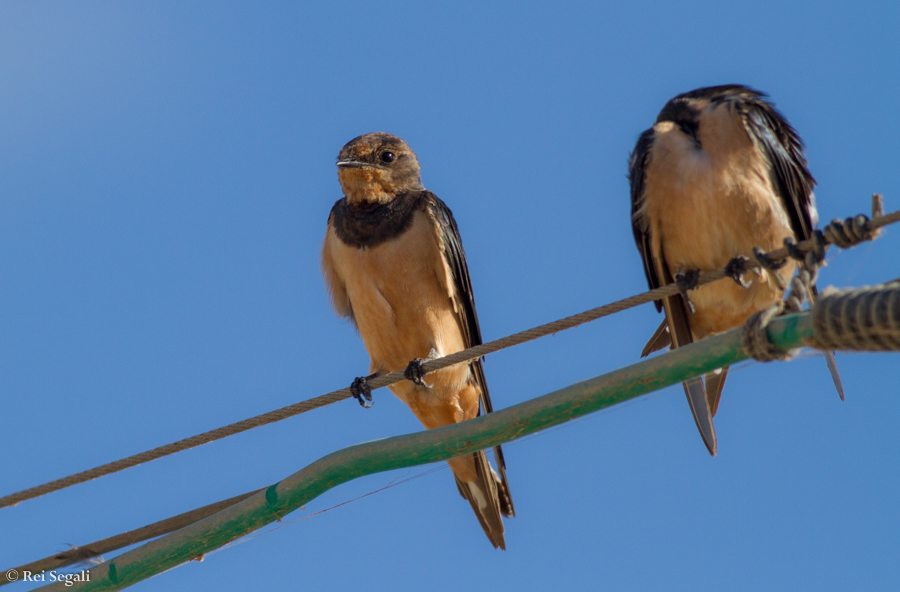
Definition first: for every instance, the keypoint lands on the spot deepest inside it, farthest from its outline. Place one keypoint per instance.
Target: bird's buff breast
(402, 307)
(702, 213)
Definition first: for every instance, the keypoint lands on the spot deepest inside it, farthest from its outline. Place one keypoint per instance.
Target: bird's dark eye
(387, 157)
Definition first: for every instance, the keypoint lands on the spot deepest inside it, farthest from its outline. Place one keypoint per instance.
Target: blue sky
(166, 173)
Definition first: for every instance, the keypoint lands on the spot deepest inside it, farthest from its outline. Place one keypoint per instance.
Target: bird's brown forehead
(359, 151)
(367, 145)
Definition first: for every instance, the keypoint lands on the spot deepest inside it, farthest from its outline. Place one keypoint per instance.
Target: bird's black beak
(350, 163)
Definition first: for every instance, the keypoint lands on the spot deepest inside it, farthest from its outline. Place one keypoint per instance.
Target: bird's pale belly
(706, 236)
(403, 312)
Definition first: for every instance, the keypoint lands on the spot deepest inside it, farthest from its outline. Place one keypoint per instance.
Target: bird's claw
(736, 268)
(415, 372)
(361, 390)
(687, 280)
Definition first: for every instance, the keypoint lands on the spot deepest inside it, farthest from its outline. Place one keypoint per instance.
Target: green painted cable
(431, 446)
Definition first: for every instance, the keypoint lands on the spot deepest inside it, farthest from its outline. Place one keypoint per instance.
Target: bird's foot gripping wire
(415, 372)
(736, 268)
(687, 280)
(362, 391)
(755, 340)
(771, 265)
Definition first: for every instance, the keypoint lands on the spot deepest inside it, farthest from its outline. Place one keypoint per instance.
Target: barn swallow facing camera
(394, 264)
(719, 173)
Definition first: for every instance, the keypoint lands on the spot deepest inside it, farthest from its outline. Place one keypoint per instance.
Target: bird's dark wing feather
(660, 340)
(783, 149)
(451, 245)
(679, 329)
(637, 171)
(680, 335)
(790, 175)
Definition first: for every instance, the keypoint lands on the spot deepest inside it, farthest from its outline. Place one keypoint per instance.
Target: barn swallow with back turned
(721, 172)
(394, 265)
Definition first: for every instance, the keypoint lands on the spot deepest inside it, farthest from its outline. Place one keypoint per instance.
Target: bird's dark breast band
(367, 226)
